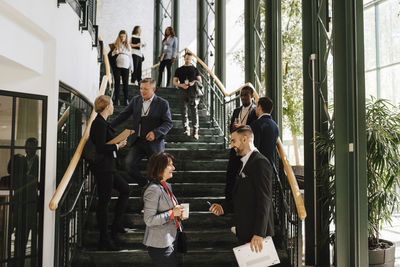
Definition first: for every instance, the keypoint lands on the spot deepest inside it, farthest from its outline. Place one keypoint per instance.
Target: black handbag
(181, 245)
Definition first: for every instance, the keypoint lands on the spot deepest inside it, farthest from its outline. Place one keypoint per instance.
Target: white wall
(40, 46)
(113, 16)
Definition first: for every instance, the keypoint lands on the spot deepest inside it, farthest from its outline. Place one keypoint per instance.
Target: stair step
(187, 189)
(196, 203)
(197, 220)
(201, 176)
(199, 238)
(188, 165)
(194, 146)
(209, 257)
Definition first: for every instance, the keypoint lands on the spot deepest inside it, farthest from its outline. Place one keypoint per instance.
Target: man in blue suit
(266, 131)
(151, 122)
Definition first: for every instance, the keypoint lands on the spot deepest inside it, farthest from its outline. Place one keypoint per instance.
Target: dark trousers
(194, 112)
(106, 181)
(141, 149)
(165, 63)
(163, 257)
(125, 80)
(137, 68)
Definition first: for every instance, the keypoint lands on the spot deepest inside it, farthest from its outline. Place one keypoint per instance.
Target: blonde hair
(101, 103)
(118, 42)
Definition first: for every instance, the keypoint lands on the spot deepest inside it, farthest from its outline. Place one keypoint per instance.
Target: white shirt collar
(149, 100)
(246, 157)
(264, 114)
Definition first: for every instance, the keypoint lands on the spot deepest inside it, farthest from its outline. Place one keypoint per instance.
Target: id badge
(187, 81)
(165, 47)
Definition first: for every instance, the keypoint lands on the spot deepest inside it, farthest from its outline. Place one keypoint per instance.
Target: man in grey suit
(252, 193)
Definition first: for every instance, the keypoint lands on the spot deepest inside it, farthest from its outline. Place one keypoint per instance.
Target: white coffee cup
(185, 213)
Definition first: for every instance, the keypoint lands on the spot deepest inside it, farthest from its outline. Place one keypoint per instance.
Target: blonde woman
(105, 173)
(124, 66)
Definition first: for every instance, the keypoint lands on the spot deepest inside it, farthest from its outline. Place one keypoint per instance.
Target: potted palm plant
(383, 173)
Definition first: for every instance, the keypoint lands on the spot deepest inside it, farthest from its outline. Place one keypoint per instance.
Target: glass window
(369, 38)
(4, 201)
(389, 32)
(389, 83)
(5, 120)
(28, 120)
(370, 84)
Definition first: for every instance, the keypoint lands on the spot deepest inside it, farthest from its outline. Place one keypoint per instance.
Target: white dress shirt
(244, 114)
(264, 114)
(146, 106)
(246, 157)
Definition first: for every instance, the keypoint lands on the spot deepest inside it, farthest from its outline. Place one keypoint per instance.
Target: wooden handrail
(78, 152)
(298, 199)
(77, 155)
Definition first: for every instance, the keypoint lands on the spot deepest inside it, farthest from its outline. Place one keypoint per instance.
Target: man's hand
(184, 86)
(173, 60)
(256, 243)
(150, 136)
(216, 209)
(191, 83)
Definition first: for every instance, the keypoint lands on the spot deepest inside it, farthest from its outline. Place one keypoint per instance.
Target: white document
(267, 257)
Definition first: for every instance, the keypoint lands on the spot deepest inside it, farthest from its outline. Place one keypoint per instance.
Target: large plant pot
(382, 257)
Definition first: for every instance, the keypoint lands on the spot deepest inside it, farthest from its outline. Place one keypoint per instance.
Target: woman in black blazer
(105, 172)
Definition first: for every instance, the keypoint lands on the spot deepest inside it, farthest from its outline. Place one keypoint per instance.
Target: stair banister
(53, 205)
(301, 211)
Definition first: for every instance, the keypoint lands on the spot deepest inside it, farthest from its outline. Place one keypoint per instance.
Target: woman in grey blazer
(169, 49)
(162, 213)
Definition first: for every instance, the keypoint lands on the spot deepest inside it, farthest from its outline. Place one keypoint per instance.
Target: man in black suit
(243, 115)
(266, 131)
(252, 193)
(151, 122)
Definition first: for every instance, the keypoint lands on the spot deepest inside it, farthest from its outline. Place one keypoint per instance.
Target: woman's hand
(122, 143)
(177, 210)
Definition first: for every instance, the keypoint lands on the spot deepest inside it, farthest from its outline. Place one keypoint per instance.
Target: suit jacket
(252, 199)
(160, 230)
(266, 134)
(159, 113)
(252, 116)
(100, 133)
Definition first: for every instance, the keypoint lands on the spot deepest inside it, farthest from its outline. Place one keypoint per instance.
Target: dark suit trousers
(163, 257)
(106, 181)
(165, 63)
(139, 151)
(194, 112)
(137, 68)
(125, 80)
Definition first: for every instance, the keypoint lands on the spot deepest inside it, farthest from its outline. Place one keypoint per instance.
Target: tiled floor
(392, 233)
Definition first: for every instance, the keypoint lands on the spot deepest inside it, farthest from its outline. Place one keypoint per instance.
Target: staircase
(199, 177)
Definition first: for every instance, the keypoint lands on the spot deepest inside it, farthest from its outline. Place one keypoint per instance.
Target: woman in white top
(124, 66)
(137, 55)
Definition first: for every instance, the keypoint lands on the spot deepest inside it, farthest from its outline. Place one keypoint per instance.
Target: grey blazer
(170, 48)
(160, 231)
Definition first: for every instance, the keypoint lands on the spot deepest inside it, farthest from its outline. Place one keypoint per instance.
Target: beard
(237, 151)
